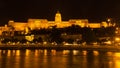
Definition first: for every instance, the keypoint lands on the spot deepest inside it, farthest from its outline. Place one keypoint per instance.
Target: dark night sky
(94, 10)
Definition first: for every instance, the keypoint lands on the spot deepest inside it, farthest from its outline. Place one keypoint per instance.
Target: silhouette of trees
(55, 35)
(23, 41)
(88, 35)
(39, 40)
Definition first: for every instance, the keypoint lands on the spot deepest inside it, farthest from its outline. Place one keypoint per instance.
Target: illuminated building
(58, 18)
(44, 23)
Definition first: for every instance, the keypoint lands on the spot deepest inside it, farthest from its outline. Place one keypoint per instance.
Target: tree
(55, 36)
(88, 35)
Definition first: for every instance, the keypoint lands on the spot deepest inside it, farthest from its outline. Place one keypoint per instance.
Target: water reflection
(84, 52)
(96, 53)
(66, 52)
(75, 52)
(109, 53)
(17, 52)
(58, 58)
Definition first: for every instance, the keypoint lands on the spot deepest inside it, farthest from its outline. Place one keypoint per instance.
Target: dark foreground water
(58, 59)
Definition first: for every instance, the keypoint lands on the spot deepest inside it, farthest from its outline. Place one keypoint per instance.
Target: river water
(58, 59)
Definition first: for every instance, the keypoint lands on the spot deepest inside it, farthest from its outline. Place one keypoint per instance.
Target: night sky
(94, 10)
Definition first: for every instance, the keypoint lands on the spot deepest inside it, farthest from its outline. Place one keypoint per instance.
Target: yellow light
(4, 51)
(27, 52)
(108, 19)
(75, 52)
(65, 52)
(18, 52)
(117, 55)
(29, 38)
(96, 53)
(45, 52)
(44, 42)
(117, 39)
(117, 61)
(116, 32)
(36, 52)
(53, 52)
(0, 51)
(8, 54)
(109, 53)
(84, 52)
(13, 52)
(117, 64)
(117, 28)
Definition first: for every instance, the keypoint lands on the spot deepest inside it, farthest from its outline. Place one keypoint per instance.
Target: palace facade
(44, 23)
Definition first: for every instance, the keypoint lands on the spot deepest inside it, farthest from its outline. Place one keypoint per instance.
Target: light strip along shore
(62, 47)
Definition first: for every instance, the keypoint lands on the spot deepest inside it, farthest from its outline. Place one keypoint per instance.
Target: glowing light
(109, 53)
(3, 51)
(38, 23)
(36, 52)
(84, 52)
(117, 55)
(104, 24)
(65, 52)
(9, 53)
(108, 19)
(13, 52)
(96, 53)
(117, 64)
(53, 52)
(29, 38)
(45, 52)
(110, 64)
(27, 52)
(0, 51)
(44, 42)
(17, 52)
(117, 61)
(117, 28)
(58, 18)
(116, 32)
(117, 39)
(75, 52)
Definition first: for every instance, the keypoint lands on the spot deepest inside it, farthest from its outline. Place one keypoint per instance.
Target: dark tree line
(88, 34)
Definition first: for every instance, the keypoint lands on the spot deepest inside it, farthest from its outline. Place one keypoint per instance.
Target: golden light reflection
(96, 53)
(0, 53)
(84, 53)
(27, 52)
(65, 52)
(117, 63)
(9, 53)
(3, 51)
(36, 52)
(109, 53)
(75, 52)
(110, 64)
(13, 52)
(17, 52)
(84, 62)
(117, 55)
(117, 39)
(53, 52)
(45, 52)
(41, 51)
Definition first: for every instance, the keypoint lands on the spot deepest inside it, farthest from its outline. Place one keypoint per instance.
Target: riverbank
(61, 47)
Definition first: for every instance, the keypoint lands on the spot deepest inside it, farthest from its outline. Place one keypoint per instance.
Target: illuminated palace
(44, 23)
